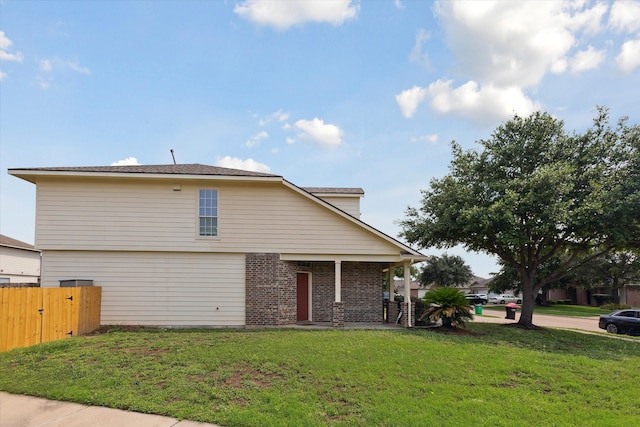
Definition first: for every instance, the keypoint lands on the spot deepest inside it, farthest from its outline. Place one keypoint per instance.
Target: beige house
(19, 261)
(196, 245)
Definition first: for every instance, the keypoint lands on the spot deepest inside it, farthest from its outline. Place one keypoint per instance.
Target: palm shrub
(448, 305)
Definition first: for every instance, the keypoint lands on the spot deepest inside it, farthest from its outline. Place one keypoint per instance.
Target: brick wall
(361, 291)
(287, 292)
(271, 290)
(323, 287)
(261, 288)
(633, 295)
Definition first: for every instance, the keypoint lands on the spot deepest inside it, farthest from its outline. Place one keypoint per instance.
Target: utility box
(75, 283)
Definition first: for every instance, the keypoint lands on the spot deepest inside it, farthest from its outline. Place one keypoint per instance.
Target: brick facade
(361, 291)
(633, 295)
(270, 286)
(271, 290)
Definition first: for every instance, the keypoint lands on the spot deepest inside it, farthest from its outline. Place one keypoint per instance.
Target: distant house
(477, 285)
(19, 261)
(197, 245)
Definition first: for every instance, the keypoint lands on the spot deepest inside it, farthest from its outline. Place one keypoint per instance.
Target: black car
(621, 322)
(476, 299)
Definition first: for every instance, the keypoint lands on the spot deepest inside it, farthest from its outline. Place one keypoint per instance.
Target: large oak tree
(537, 197)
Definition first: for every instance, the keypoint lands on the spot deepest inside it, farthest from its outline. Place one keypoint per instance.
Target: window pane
(208, 212)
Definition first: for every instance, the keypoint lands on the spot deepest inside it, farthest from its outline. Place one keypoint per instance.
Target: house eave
(385, 258)
(33, 176)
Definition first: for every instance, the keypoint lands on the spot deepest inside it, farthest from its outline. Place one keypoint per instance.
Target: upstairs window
(208, 213)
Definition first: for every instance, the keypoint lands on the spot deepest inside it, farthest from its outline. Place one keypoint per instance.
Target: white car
(505, 298)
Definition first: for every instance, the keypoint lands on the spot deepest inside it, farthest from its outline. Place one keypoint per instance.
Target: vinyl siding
(158, 288)
(350, 205)
(149, 216)
(19, 265)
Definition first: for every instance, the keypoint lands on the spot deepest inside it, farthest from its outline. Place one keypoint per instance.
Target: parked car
(476, 298)
(505, 298)
(621, 322)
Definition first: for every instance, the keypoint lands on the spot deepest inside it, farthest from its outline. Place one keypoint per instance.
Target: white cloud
(282, 14)
(629, 57)
(409, 99)
(431, 139)
(398, 4)
(503, 48)
(515, 43)
(45, 65)
(247, 165)
(586, 59)
(77, 68)
(625, 16)
(290, 140)
(589, 19)
(278, 116)
(129, 161)
(484, 103)
(5, 45)
(255, 139)
(43, 82)
(316, 130)
(418, 54)
(5, 55)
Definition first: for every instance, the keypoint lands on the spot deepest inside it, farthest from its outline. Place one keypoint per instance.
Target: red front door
(302, 281)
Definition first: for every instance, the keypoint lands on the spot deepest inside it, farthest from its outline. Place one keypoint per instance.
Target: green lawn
(493, 375)
(559, 310)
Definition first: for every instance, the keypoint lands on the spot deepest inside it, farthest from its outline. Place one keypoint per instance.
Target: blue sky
(325, 93)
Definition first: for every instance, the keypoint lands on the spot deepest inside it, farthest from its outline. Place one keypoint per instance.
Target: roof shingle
(180, 169)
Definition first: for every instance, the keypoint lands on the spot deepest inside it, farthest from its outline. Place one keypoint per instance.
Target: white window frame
(208, 212)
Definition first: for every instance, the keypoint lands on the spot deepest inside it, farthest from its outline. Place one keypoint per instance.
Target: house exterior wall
(633, 295)
(361, 291)
(148, 215)
(157, 288)
(350, 205)
(137, 239)
(19, 265)
(270, 290)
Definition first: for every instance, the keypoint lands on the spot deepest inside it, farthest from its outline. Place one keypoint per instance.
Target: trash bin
(511, 311)
(478, 308)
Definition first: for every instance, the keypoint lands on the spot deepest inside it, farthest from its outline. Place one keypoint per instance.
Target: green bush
(614, 307)
(447, 305)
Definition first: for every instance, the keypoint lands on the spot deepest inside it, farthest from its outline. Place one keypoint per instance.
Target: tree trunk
(529, 294)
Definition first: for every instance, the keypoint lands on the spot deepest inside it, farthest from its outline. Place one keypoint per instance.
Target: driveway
(589, 324)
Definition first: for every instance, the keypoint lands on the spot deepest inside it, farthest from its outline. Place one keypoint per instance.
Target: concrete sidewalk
(27, 411)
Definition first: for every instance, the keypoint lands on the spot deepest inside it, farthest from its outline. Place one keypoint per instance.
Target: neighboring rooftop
(334, 190)
(14, 243)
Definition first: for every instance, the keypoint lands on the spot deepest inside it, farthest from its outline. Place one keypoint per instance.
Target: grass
(490, 375)
(559, 310)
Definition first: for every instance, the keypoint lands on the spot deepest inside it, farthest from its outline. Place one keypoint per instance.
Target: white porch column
(338, 281)
(407, 290)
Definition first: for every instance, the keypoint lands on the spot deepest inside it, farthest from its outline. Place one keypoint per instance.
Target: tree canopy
(447, 270)
(537, 197)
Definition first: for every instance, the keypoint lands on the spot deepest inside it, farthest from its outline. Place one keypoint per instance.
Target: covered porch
(346, 290)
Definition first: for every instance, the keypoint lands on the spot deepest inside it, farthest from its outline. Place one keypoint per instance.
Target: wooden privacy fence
(31, 316)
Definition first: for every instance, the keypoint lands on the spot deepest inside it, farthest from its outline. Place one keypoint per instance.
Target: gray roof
(333, 190)
(182, 169)
(14, 243)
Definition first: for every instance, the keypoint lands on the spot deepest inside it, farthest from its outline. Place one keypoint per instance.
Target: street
(545, 320)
